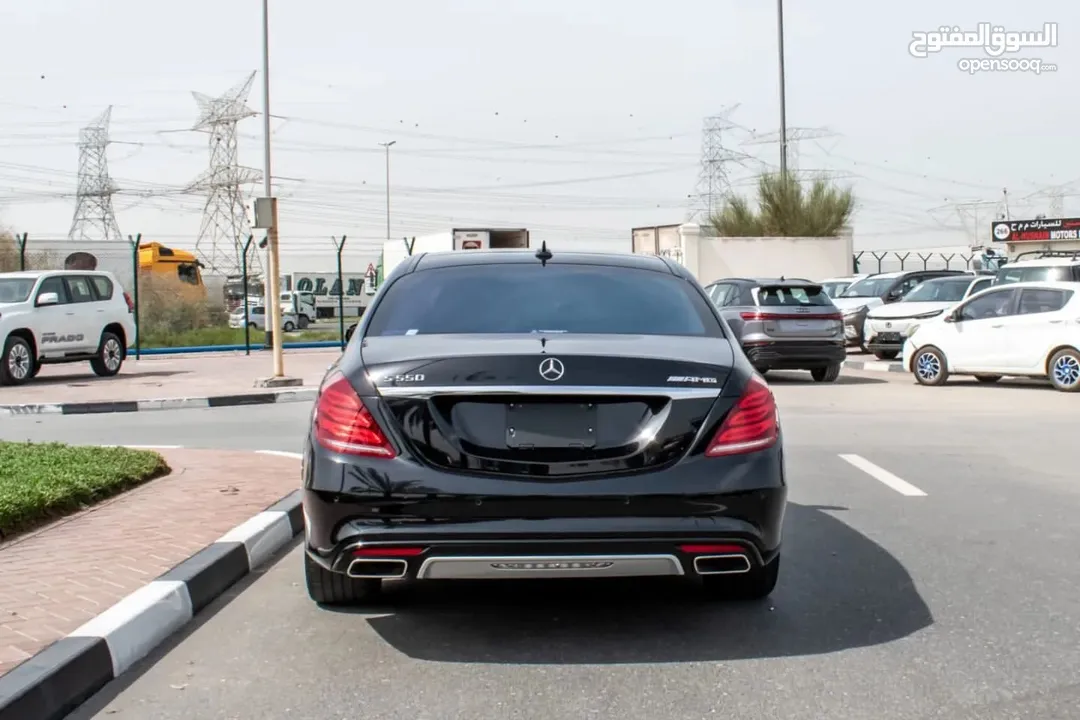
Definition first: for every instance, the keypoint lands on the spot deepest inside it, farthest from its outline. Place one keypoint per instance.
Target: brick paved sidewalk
(57, 578)
(168, 376)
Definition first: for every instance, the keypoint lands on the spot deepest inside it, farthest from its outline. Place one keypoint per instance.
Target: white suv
(60, 317)
(1041, 266)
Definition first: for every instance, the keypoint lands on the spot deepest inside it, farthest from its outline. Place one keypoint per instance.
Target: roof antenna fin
(543, 254)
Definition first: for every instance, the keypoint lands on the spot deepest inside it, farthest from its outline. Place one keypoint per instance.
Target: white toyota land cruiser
(60, 317)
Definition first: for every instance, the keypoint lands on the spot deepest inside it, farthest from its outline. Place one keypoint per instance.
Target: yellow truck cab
(165, 262)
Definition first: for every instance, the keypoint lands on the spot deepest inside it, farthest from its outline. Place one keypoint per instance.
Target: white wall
(815, 258)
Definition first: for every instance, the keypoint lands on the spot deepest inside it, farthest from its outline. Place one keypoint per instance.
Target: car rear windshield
(558, 298)
(805, 295)
(16, 290)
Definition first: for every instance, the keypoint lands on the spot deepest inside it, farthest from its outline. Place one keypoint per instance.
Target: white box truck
(395, 251)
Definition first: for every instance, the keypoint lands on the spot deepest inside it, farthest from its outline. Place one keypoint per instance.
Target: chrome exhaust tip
(382, 568)
(722, 564)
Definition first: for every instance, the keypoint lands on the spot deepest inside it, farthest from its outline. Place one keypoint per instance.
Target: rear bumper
(795, 355)
(474, 527)
(623, 547)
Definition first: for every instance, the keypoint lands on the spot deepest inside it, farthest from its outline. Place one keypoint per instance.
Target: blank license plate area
(555, 425)
(798, 326)
(890, 337)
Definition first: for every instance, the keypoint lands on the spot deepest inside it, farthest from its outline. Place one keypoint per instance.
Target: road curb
(65, 674)
(874, 366)
(184, 403)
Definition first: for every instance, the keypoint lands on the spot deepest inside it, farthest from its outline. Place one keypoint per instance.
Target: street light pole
(387, 146)
(783, 92)
(273, 293)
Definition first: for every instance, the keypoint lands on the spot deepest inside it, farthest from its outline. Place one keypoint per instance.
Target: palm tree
(786, 209)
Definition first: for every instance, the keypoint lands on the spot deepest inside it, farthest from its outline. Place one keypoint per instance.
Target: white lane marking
(281, 453)
(883, 476)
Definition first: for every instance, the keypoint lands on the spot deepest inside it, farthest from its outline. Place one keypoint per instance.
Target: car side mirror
(349, 332)
(49, 298)
(950, 318)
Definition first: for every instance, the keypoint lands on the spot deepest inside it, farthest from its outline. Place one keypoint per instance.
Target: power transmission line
(94, 219)
(225, 226)
(713, 183)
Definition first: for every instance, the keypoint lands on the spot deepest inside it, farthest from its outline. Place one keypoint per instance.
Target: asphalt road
(929, 572)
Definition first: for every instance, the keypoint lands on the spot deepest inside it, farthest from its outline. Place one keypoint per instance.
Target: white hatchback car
(1024, 329)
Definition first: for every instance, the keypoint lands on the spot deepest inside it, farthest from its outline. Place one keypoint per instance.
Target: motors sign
(1042, 230)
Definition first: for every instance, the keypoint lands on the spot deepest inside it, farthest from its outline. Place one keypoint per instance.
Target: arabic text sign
(994, 40)
(1042, 230)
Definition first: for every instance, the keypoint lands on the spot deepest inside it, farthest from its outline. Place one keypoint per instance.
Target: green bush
(40, 482)
(786, 209)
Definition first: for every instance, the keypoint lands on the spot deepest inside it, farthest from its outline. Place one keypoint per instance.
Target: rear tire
(929, 367)
(757, 584)
(826, 374)
(17, 365)
(331, 588)
(110, 356)
(886, 354)
(304, 322)
(988, 378)
(1065, 370)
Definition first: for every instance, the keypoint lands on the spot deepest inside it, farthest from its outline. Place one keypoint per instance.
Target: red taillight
(130, 304)
(757, 315)
(726, 549)
(344, 425)
(750, 426)
(389, 552)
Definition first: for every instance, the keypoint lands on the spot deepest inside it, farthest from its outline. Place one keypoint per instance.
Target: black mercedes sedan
(520, 414)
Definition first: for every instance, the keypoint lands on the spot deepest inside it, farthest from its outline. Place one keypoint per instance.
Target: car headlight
(853, 313)
(924, 316)
(911, 330)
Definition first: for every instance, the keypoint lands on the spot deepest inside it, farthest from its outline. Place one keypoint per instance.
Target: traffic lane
(845, 615)
(253, 427)
(891, 395)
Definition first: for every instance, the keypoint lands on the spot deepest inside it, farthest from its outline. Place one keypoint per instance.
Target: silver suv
(783, 324)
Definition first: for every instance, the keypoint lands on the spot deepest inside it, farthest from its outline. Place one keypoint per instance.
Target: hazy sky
(574, 119)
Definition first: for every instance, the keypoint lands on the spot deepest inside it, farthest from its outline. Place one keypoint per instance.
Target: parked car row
(1021, 319)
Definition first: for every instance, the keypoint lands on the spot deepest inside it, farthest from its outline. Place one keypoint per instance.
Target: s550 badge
(419, 377)
(689, 379)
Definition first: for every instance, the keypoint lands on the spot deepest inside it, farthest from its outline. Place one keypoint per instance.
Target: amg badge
(54, 338)
(689, 379)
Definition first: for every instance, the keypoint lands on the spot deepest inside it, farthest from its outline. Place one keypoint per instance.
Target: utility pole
(386, 146)
(783, 91)
(267, 217)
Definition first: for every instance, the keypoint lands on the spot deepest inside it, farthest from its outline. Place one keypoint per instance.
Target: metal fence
(876, 261)
(174, 312)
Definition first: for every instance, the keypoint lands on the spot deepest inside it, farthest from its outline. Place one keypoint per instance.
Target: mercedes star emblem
(551, 369)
